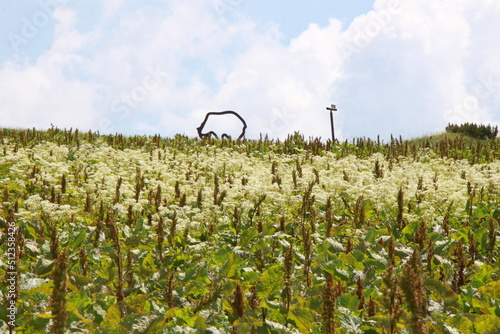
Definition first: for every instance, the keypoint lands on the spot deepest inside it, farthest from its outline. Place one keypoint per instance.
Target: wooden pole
(332, 108)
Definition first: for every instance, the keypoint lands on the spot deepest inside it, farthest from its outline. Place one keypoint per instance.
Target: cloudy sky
(158, 66)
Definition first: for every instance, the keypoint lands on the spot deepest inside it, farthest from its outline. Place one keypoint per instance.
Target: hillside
(450, 136)
(178, 235)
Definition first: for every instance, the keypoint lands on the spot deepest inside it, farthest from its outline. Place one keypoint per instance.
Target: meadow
(145, 234)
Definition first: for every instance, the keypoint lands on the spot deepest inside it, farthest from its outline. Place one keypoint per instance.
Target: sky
(391, 67)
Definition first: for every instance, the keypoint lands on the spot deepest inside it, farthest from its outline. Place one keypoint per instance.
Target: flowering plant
(179, 235)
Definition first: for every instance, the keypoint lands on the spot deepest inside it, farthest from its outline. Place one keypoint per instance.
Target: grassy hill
(450, 136)
(144, 234)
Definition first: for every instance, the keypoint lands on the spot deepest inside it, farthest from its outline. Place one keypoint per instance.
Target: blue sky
(294, 16)
(391, 66)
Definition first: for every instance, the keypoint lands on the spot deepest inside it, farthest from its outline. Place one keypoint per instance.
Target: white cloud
(34, 96)
(403, 68)
(409, 74)
(42, 93)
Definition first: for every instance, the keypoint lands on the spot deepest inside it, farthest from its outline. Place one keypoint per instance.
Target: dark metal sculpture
(224, 135)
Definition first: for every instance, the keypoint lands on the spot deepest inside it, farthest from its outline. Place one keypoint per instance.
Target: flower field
(118, 234)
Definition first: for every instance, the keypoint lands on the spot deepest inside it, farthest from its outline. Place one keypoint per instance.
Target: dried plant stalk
(58, 298)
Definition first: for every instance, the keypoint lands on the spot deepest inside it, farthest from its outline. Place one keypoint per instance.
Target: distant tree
(474, 130)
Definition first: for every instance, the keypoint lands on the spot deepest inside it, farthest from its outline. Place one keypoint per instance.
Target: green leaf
(220, 257)
(77, 242)
(139, 226)
(348, 259)
(186, 316)
(409, 230)
(149, 262)
(78, 300)
(482, 210)
(349, 301)
(136, 323)
(439, 289)
(460, 322)
(40, 321)
(271, 305)
(247, 236)
(138, 303)
(487, 324)
(134, 241)
(372, 235)
(375, 263)
(113, 315)
(41, 292)
(304, 318)
(32, 246)
(250, 276)
(230, 267)
(228, 262)
(370, 331)
(72, 308)
(270, 281)
(172, 312)
(43, 267)
(156, 326)
(492, 290)
(81, 280)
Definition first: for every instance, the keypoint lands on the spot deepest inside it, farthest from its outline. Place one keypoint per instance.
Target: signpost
(332, 108)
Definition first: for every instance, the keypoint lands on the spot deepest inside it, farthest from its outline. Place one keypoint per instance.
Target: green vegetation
(474, 130)
(146, 234)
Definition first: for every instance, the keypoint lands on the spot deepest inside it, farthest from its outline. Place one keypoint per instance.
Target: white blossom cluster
(432, 186)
